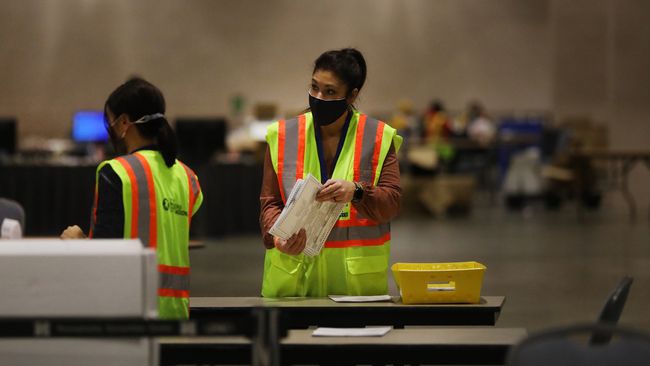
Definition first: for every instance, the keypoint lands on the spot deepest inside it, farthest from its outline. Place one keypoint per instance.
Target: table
(619, 164)
(470, 345)
(298, 313)
(196, 244)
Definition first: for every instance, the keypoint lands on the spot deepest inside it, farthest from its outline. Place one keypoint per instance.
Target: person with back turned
(146, 192)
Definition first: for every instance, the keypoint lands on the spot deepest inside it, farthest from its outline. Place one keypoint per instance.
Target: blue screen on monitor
(88, 126)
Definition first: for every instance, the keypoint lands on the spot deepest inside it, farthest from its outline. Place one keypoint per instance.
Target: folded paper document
(374, 298)
(351, 332)
(303, 211)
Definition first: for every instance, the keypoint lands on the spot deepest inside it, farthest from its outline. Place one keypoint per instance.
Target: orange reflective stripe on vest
(367, 148)
(291, 149)
(358, 242)
(174, 281)
(300, 158)
(358, 230)
(281, 147)
(93, 218)
(194, 189)
(143, 199)
(292, 138)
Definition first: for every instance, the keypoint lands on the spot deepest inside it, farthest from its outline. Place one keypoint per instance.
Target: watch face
(358, 192)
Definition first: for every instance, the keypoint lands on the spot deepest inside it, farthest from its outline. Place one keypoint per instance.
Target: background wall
(65, 55)
(585, 57)
(601, 69)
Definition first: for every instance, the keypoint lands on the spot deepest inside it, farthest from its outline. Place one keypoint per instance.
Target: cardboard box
(447, 191)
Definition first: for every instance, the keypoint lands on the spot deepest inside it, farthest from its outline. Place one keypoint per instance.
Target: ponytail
(166, 140)
(160, 130)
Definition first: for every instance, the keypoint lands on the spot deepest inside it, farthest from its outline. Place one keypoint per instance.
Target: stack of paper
(302, 211)
(351, 332)
(374, 298)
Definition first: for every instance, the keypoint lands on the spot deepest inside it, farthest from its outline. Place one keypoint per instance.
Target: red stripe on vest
(153, 222)
(358, 146)
(300, 161)
(183, 271)
(95, 200)
(281, 137)
(375, 161)
(167, 292)
(375, 157)
(358, 242)
(355, 221)
(193, 196)
(134, 196)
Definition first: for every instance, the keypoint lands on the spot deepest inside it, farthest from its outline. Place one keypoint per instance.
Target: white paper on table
(303, 211)
(375, 298)
(351, 332)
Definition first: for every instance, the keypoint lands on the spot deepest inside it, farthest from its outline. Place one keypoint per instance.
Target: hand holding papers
(303, 211)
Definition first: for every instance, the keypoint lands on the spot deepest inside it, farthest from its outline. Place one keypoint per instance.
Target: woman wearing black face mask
(145, 192)
(354, 156)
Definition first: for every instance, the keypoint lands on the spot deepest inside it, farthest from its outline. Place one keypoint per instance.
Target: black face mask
(325, 112)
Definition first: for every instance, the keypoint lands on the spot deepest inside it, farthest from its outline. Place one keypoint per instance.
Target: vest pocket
(283, 276)
(367, 275)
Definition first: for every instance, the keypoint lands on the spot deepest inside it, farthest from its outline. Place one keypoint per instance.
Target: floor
(555, 268)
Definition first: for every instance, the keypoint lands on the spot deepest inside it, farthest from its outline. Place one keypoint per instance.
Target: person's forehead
(327, 77)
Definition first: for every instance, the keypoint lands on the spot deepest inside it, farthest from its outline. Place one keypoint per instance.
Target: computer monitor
(200, 138)
(7, 136)
(88, 126)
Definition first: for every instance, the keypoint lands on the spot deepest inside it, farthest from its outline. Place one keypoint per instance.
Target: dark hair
(347, 64)
(137, 98)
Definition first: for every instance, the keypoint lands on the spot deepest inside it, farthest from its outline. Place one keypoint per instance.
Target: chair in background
(571, 346)
(612, 310)
(10, 209)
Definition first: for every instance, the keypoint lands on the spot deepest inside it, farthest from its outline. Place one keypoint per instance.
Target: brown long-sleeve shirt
(380, 203)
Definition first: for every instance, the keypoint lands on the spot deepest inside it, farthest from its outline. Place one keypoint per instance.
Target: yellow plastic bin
(439, 283)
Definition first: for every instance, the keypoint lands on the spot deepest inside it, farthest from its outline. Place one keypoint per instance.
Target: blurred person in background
(434, 151)
(146, 192)
(354, 156)
(405, 122)
(480, 127)
(436, 124)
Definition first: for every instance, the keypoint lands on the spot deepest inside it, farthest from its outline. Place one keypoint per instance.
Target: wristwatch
(358, 192)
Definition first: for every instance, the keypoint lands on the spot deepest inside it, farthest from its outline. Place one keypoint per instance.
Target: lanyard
(324, 176)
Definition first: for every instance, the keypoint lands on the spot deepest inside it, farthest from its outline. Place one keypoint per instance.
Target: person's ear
(124, 119)
(122, 124)
(353, 96)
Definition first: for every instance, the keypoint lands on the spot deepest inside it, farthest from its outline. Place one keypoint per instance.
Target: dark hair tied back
(347, 64)
(137, 98)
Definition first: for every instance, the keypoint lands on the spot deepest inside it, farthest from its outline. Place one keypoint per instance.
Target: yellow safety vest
(159, 203)
(354, 260)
